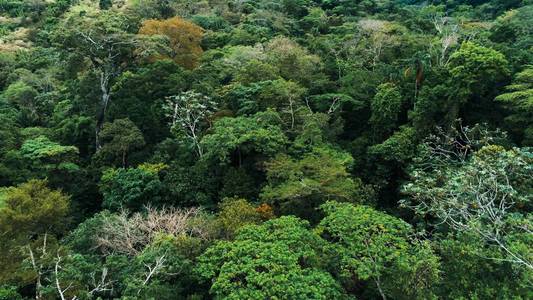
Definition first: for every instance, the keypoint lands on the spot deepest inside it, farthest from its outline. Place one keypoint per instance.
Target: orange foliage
(265, 211)
(184, 37)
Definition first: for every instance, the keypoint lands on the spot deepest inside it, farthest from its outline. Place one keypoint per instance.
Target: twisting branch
(472, 193)
(155, 268)
(60, 290)
(103, 285)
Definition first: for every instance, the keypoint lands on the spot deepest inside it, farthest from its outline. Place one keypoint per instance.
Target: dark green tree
(119, 139)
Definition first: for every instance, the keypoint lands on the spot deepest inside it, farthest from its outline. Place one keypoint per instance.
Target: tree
(103, 39)
(285, 97)
(128, 234)
(187, 112)
(49, 156)
(234, 137)
(119, 139)
(9, 292)
(476, 69)
(386, 108)
(139, 95)
(399, 147)
(379, 35)
(298, 186)
(278, 259)
(372, 246)
(30, 215)
(31, 209)
(511, 33)
(519, 99)
(130, 188)
(23, 96)
(76, 276)
(484, 193)
(236, 213)
(160, 271)
(184, 37)
(467, 273)
(294, 62)
(447, 37)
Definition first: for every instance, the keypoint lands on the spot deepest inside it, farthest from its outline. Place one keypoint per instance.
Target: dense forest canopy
(266, 149)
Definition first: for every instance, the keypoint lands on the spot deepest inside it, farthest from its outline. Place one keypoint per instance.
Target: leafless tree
(187, 111)
(448, 32)
(378, 36)
(131, 234)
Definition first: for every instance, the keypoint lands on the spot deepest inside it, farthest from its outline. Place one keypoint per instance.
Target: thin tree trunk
(100, 118)
(378, 284)
(124, 159)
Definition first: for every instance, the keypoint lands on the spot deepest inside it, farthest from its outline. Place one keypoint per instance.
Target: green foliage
(191, 185)
(237, 182)
(400, 147)
(28, 213)
(294, 62)
(82, 239)
(24, 97)
(188, 111)
(466, 273)
(44, 153)
(487, 194)
(283, 96)
(139, 94)
(236, 213)
(231, 138)
(278, 259)
(130, 189)
(377, 248)
(476, 69)
(120, 138)
(168, 282)
(158, 149)
(298, 186)
(519, 99)
(386, 107)
(8, 292)
(32, 201)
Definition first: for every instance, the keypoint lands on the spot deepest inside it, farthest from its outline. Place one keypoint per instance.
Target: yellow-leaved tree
(184, 38)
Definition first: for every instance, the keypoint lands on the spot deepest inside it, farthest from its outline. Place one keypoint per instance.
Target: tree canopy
(272, 149)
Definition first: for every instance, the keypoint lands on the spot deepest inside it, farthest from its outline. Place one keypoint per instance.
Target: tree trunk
(100, 118)
(124, 159)
(378, 284)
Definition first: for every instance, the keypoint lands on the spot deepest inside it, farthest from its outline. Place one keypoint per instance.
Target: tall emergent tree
(106, 42)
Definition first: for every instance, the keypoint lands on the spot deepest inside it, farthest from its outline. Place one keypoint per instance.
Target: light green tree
(31, 215)
(279, 259)
(375, 247)
(298, 186)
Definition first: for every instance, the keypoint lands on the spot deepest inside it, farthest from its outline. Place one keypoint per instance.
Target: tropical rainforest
(266, 149)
